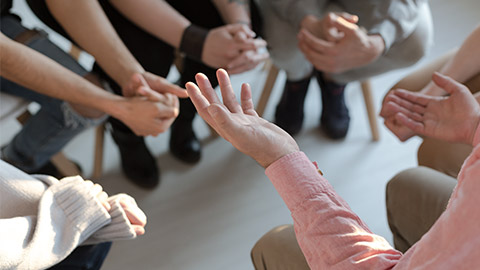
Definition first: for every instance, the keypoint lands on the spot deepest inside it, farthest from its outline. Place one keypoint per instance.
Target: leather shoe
(138, 164)
(184, 144)
(335, 119)
(289, 112)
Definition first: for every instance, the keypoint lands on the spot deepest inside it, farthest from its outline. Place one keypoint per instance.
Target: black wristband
(192, 42)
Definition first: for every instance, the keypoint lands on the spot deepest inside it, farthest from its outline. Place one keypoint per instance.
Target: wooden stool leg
(64, 165)
(267, 89)
(372, 118)
(98, 160)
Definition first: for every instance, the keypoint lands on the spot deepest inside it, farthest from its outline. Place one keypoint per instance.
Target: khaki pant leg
(415, 199)
(443, 156)
(278, 250)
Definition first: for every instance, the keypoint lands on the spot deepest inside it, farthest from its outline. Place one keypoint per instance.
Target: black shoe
(184, 144)
(335, 119)
(138, 164)
(289, 112)
(50, 169)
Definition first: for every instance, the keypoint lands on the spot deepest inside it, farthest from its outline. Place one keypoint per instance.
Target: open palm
(239, 124)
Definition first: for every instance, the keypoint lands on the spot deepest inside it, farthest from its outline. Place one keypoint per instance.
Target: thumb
(446, 83)
(343, 25)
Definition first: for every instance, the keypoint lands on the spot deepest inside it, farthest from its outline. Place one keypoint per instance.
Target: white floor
(209, 216)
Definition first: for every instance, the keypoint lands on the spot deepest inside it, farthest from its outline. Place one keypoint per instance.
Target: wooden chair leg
(372, 118)
(98, 159)
(267, 89)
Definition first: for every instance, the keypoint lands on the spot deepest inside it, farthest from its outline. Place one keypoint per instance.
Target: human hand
(324, 28)
(146, 117)
(453, 118)
(135, 215)
(354, 49)
(152, 83)
(402, 132)
(239, 124)
(97, 191)
(233, 47)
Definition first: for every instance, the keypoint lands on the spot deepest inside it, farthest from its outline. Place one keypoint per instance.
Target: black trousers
(152, 53)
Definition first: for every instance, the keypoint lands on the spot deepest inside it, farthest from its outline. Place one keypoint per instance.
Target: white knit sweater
(42, 219)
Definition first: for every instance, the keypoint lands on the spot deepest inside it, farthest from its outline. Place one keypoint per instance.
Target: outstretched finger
(199, 101)
(416, 126)
(406, 104)
(247, 102)
(416, 98)
(206, 88)
(151, 95)
(228, 96)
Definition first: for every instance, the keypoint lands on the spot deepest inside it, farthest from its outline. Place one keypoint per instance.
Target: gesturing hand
(453, 118)
(351, 49)
(239, 124)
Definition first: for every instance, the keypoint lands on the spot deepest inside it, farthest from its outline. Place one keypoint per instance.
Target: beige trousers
(415, 197)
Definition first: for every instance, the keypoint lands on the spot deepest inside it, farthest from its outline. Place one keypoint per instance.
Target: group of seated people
(70, 223)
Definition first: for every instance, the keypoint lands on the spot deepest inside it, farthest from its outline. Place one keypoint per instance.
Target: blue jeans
(85, 258)
(56, 123)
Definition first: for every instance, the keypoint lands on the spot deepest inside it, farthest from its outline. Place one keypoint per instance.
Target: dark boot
(335, 119)
(138, 164)
(289, 113)
(184, 144)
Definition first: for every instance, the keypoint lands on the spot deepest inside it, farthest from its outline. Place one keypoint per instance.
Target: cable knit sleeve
(120, 227)
(58, 218)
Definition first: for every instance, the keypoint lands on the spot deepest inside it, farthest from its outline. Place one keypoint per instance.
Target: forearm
(329, 233)
(156, 17)
(234, 11)
(466, 62)
(47, 77)
(88, 25)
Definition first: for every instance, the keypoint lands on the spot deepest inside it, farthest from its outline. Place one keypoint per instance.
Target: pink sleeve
(330, 235)
(476, 137)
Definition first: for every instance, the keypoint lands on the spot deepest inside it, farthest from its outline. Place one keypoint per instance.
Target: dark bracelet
(192, 42)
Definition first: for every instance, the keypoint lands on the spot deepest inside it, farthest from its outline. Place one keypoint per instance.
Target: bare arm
(49, 78)
(234, 11)
(88, 25)
(156, 17)
(463, 66)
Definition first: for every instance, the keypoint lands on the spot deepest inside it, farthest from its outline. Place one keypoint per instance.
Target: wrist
(377, 45)
(192, 41)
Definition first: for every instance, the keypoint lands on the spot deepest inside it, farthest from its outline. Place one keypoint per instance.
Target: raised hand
(353, 48)
(453, 118)
(239, 124)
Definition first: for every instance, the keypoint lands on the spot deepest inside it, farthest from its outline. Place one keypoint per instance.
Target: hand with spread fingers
(451, 118)
(239, 123)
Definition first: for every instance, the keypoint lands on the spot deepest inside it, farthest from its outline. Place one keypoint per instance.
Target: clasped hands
(336, 43)
(234, 48)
